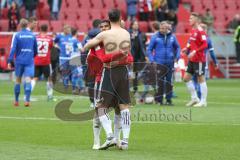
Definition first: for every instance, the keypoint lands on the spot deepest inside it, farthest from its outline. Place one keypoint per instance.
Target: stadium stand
(80, 13)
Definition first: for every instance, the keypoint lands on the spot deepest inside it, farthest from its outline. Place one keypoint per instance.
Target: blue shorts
(25, 70)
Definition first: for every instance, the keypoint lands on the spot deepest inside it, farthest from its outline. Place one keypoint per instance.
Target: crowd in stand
(30, 7)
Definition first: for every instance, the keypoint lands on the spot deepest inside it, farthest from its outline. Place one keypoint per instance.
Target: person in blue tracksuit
(24, 49)
(163, 50)
(209, 50)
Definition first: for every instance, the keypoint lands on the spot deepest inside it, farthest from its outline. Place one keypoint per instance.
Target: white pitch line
(43, 97)
(137, 122)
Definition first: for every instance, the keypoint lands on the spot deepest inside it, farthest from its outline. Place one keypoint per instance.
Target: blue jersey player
(66, 48)
(209, 50)
(75, 63)
(24, 49)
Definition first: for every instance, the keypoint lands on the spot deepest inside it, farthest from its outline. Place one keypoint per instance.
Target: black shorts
(114, 86)
(45, 70)
(97, 94)
(196, 68)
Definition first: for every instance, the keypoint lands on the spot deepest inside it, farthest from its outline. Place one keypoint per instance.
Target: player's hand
(191, 54)
(9, 66)
(82, 50)
(184, 50)
(216, 67)
(147, 60)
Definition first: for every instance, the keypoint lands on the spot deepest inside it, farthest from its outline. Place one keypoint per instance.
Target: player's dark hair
(44, 28)
(96, 23)
(74, 31)
(32, 19)
(156, 25)
(114, 15)
(106, 21)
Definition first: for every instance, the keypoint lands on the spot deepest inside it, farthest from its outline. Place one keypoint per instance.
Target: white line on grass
(137, 122)
(44, 97)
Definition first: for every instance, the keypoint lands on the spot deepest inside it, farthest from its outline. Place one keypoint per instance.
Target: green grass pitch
(161, 133)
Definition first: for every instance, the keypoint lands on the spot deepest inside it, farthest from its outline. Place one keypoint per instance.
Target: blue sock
(74, 83)
(65, 81)
(27, 89)
(17, 92)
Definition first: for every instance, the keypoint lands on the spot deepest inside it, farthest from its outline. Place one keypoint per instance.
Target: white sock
(33, 83)
(204, 91)
(105, 121)
(126, 123)
(49, 89)
(191, 89)
(96, 130)
(117, 126)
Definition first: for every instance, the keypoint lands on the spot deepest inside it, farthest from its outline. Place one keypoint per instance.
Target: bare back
(116, 40)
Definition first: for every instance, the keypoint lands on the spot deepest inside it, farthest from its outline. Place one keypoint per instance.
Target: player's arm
(12, 51)
(177, 48)
(211, 51)
(35, 47)
(150, 48)
(203, 39)
(187, 49)
(93, 42)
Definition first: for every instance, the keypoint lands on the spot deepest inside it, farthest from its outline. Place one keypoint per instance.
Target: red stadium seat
(219, 16)
(56, 26)
(83, 15)
(41, 22)
(109, 4)
(96, 14)
(4, 25)
(4, 13)
(143, 26)
(231, 4)
(96, 4)
(84, 4)
(82, 26)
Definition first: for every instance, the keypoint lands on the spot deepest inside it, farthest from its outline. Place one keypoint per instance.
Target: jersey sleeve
(211, 51)
(57, 39)
(35, 47)
(150, 48)
(13, 48)
(202, 37)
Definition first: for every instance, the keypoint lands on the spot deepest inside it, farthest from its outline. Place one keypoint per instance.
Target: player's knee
(28, 79)
(18, 80)
(123, 106)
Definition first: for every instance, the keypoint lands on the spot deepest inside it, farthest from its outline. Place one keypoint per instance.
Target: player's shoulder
(200, 30)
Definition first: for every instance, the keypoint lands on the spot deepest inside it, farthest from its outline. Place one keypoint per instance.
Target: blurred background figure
(172, 18)
(30, 7)
(162, 10)
(209, 20)
(145, 8)
(233, 24)
(13, 16)
(237, 43)
(131, 9)
(54, 6)
(138, 51)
